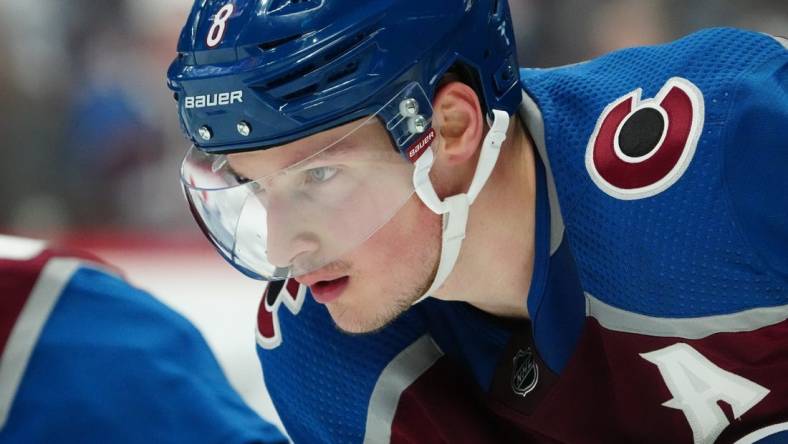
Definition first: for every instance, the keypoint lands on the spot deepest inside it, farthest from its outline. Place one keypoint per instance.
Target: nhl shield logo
(525, 372)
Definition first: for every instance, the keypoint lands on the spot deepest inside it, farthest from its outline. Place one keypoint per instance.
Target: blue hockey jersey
(659, 299)
(86, 358)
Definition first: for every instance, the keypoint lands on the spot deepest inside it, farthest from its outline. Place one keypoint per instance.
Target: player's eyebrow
(240, 169)
(340, 148)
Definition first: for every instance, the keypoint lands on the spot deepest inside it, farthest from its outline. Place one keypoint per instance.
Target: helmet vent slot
(273, 44)
(311, 89)
(287, 7)
(324, 60)
(345, 71)
(343, 47)
(290, 76)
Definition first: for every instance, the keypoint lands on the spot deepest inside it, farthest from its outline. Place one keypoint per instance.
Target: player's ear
(458, 118)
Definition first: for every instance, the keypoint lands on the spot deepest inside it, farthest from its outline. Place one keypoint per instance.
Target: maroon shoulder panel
(444, 406)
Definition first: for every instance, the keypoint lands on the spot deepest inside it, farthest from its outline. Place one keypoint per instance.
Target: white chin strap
(455, 208)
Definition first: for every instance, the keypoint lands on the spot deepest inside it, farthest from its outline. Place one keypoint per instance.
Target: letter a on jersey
(290, 293)
(697, 384)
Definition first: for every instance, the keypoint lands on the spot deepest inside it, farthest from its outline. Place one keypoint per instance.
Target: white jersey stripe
(398, 375)
(532, 118)
(617, 319)
(781, 40)
(24, 335)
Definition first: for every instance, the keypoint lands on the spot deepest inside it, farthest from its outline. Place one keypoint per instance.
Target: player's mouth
(328, 291)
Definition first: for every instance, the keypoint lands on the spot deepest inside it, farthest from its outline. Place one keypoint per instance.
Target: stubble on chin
(349, 324)
(358, 323)
(391, 283)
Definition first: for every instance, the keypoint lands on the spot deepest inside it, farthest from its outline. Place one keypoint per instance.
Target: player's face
(382, 278)
(370, 284)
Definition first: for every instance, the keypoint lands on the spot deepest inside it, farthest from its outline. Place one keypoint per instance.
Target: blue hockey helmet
(271, 71)
(253, 75)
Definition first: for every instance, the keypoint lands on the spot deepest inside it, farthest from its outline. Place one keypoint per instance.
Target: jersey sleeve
(757, 160)
(113, 364)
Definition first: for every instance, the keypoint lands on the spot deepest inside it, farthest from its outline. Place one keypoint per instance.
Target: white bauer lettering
(697, 385)
(211, 100)
(415, 151)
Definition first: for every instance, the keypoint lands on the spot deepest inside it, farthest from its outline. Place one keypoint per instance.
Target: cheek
(354, 219)
(411, 240)
(391, 270)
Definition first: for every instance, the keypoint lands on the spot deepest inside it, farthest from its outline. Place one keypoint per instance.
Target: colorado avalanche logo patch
(640, 148)
(291, 294)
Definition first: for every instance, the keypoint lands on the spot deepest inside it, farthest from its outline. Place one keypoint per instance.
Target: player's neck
(494, 269)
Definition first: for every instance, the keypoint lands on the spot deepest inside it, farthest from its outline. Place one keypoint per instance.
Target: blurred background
(92, 144)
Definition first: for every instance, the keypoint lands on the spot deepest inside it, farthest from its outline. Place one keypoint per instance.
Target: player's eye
(239, 178)
(253, 185)
(321, 174)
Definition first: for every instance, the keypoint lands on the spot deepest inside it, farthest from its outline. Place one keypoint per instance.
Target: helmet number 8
(216, 32)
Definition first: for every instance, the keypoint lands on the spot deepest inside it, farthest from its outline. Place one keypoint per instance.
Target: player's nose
(286, 238)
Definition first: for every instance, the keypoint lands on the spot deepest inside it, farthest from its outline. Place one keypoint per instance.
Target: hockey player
(86, 358)
(603, 247)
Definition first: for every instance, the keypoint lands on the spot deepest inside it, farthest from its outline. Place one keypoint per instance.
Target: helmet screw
(205, 133)
(243, 128)
(417, 125)
(409, 107)
(508, 72)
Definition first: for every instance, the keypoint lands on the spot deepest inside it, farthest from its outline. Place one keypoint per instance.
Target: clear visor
(290, 210)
